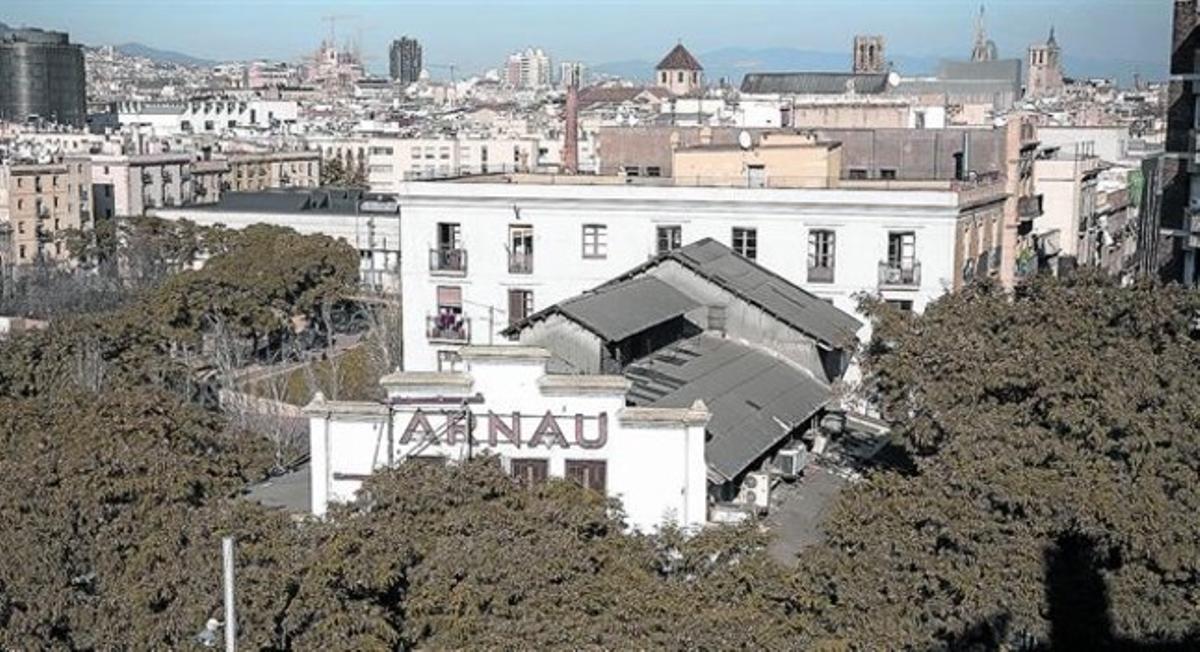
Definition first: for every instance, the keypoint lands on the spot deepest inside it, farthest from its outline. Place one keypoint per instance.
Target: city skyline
(1117, 34)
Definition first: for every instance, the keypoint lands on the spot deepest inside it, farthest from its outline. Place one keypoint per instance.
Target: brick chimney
(570, 153)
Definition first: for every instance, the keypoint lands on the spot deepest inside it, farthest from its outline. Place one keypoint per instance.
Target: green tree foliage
(1067, 412)
(334, 172)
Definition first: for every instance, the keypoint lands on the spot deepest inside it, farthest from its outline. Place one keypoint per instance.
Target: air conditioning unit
(790, 462)
(756, 490)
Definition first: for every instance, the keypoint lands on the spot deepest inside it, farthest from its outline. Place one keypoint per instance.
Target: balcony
(449, 328)
(820, 275)
(1030, 208)
(520, 263)
(899, 275)
(448, 261)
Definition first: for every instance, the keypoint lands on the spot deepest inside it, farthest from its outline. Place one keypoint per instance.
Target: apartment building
(128, 185)
(38, 204)
(476, 257)
(393, 161)
(208, 116)
(264, 170)
(1066, 180)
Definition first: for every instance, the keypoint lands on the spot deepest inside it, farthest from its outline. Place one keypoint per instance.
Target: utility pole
(230, 622)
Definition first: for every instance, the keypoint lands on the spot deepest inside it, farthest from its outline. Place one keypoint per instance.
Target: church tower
(868, 55)
(1045, 69)
(983, 49)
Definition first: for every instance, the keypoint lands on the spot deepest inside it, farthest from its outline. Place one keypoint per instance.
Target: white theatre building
(541, 425)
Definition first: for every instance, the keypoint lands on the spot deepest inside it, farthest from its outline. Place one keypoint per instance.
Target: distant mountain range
(162, 56)
(733, 63)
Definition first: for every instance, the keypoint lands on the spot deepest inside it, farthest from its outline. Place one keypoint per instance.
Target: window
(21, 226)
(901, 305)
(856, 174)
(679, 77)
(820, 256)
(520, 305)
(662, 77)
(902, 249)
(631, 170)
(669, 238)
(520, 249)
(595, 241)
(528, 471)
(745, 242)
(448, 255)
(591, 474)
(887, 174)
(653, 171)
(449, 323)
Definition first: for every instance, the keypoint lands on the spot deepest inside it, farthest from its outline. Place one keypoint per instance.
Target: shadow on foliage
(1079, 610)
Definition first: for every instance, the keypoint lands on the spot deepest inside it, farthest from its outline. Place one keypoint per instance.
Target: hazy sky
(474, 34)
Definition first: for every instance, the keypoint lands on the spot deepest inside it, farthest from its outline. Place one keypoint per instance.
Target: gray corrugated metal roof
(789, 303)
(805, 83)
(289, 492)
(755, 398)
(615, 312)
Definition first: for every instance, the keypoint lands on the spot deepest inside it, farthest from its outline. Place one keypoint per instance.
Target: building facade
(167, 118)
(266, 170)
(42, 77)
(502, 401)
(528, 69)
(1178, 220)
(39, 203)
(404, 60)
(393, 161)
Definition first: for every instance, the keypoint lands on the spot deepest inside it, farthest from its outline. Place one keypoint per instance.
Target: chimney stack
(571, 140)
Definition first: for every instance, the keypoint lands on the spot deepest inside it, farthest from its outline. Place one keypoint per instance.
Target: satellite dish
(744, 140)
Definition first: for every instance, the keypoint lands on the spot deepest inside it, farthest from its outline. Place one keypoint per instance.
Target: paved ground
(798, 510)
(289, 492)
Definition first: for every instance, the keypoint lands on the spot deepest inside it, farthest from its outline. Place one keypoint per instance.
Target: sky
(475, 35)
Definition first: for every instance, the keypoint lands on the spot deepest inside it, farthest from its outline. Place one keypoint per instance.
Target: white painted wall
(655, 466)
(861, 220)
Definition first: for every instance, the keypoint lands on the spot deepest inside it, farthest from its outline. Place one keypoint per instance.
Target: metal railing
(820, 275)
(448, 261)
(448, 327)
(899, 274)
(520, 262)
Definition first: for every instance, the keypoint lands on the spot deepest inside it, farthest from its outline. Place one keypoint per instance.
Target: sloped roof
(617, 94)
(615, 312)
(679, 59)
(1008, 70)
(762, 288)
(755, 398)
(814, 83)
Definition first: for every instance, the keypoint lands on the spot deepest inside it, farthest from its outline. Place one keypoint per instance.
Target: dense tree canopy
(1053, 434)
(1066, 415)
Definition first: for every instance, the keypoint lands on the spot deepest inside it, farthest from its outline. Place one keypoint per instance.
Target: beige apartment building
(262, 171)
(129, 185)
(38, 204)
(777, 160)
